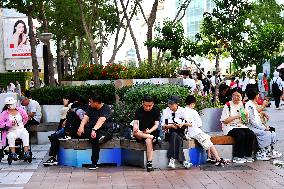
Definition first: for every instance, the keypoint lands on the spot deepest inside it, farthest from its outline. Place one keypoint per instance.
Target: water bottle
(243, 116)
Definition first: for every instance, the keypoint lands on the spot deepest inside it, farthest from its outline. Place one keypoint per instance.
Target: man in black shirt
(145, 127)
(98, 126)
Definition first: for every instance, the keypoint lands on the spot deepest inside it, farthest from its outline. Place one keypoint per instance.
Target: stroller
(19, 150)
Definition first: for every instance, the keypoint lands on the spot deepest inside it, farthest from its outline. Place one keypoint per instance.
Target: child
(196, 133)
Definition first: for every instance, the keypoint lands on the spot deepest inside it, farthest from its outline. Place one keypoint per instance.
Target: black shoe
(50, 162)
(149, 166)
(93, 167)
(211, 160)
(101, 140)
(13, 156)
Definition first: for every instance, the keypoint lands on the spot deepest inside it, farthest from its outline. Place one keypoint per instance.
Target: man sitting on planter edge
(33, 109)
(98, 124)
(145, 127)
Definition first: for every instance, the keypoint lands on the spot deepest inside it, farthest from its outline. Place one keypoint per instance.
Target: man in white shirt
(193, 121)
(33, 109)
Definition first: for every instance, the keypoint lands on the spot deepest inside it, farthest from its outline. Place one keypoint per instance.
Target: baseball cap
(10, 100)
(173, 100)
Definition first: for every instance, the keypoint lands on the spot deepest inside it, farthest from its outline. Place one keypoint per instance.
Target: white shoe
(262, 157)
(239, 160)
(186, 164)
(274, 154)
(249, 159)
(172, 163)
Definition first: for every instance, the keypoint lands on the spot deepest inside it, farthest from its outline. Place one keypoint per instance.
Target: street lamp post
(45, 37)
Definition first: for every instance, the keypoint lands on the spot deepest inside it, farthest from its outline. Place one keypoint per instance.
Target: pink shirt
(5, 121)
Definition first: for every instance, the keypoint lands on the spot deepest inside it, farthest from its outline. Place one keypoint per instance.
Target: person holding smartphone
(14, 118)
(145, 127)
(174, 125)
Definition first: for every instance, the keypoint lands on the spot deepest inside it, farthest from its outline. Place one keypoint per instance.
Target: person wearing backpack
(276, 88)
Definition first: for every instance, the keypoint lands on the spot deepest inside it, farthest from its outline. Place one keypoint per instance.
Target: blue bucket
(197, 155)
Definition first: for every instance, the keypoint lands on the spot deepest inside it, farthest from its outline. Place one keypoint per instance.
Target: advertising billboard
(16, 39)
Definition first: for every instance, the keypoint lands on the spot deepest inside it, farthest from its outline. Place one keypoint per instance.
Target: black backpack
(72, 124)
(275, 89)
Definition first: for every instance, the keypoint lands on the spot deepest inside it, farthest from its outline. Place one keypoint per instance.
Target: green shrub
(131, 99)
(54, 95)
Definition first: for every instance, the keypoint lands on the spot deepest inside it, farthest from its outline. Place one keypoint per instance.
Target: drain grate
(209, 167)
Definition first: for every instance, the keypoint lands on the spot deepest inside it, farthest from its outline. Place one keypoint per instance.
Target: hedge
(54, 95)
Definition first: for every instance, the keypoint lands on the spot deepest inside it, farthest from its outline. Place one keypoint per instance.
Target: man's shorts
(204, 140)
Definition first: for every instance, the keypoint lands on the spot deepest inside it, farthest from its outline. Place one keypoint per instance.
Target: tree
(150, 21)
(65, 29)
(99, 21)
(221, 30)
(31, 8)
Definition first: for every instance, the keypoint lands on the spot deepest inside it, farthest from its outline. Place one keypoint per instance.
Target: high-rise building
(194, 15)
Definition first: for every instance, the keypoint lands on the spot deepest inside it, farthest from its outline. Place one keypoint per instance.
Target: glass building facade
(194, 15)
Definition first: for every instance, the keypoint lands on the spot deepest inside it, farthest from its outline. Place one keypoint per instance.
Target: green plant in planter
(54, 95)
(131, 99)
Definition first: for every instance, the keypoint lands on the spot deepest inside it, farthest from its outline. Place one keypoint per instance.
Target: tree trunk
(131, 31)
(217, 73)
(49, 54)
(88, 34)
(80, 49)
(33, 52)
(59, 61)
(150, 23)
(50, 66)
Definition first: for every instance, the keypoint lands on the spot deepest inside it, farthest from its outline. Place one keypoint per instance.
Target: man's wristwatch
(93, 129)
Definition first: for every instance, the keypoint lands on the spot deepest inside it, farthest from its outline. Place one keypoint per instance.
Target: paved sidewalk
(258, 175)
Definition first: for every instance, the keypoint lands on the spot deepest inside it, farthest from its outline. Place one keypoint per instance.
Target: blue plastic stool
(198, 156)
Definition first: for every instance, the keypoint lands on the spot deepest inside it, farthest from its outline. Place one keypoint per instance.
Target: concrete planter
(51, 113)
(157, 81)
(72, 83)
(98, 82)
(211, 119)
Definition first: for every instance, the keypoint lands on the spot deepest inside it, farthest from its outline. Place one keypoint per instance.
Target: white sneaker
(186, 164)
(262, 156)
(274, 154)
(249, 159)
(239, 160)
(172, 163)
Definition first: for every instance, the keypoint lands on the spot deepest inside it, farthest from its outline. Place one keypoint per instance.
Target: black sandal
(221, 163)
(211, 160)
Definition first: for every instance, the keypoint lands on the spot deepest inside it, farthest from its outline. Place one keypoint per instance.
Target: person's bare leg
(141, 135)
(149, 145)
(13, 149)
(26, 148)
(214, 152)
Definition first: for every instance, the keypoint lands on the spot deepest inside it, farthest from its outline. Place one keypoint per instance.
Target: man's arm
(136, 125)
(155, 127)
(82, 125)
(99, 123)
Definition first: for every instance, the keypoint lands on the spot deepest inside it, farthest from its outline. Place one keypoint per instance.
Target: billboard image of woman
(20, 36)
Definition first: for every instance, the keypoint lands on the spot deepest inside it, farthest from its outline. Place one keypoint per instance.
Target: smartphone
(166, 121)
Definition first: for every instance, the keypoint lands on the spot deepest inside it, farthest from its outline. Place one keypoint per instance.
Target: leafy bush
(131, 99)
(54, 95)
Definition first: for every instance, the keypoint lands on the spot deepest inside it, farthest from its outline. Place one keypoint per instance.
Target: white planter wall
(97, 82)
(51, 113)
(211, 119)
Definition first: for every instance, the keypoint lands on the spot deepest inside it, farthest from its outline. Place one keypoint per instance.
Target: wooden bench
(77, 152)
(39, 133)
